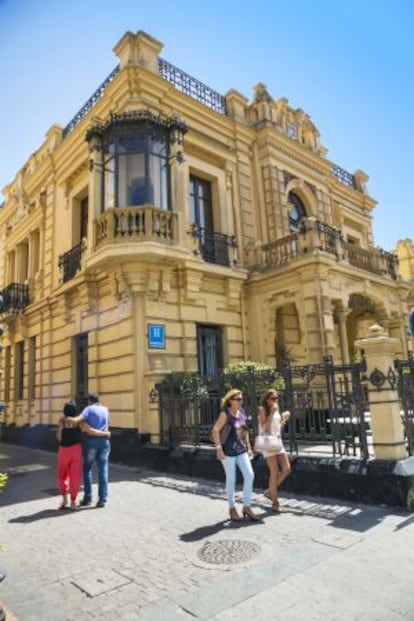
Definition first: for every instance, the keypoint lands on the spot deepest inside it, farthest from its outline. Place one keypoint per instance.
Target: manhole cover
(227, 552)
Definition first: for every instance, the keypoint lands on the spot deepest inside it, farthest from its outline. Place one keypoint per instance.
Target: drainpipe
(243, 325)
(321, 322)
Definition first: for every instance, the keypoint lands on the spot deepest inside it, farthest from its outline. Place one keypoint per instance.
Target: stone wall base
(389, 483)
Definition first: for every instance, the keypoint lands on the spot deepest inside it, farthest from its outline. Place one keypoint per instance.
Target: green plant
(3, 479)
(252, 377)
(284, 354)
(188, 385)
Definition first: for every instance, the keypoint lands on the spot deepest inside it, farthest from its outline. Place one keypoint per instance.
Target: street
(163, 549)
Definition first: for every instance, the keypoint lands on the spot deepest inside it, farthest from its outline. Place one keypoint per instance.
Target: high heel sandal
(248, 513)
(234, 516)
(277, 507)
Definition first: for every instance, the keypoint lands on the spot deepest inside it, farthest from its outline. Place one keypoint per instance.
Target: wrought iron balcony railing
(90, 103)
(315, 236)
(214, 247)
(70, 262)
(192, 87)
(14, 298)
(136, 224)
(343, 176)
(181, 80)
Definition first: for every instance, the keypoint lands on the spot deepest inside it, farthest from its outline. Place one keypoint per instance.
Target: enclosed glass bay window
(136, 157)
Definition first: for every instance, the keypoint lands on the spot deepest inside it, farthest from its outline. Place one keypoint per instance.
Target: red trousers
(69, 470)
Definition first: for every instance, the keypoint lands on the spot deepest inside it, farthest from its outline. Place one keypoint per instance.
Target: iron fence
(405, 386)
(328, 405)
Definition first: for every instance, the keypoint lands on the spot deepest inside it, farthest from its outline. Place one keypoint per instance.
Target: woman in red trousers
(69, 469)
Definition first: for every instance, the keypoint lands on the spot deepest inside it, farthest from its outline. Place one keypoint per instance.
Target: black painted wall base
(377, 482)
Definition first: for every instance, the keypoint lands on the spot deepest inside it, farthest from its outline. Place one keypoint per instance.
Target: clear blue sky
(349, 64)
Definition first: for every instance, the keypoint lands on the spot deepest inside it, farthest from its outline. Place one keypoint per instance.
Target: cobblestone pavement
(163, 549)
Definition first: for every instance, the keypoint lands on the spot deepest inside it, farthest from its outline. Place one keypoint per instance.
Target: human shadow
(212, 529)
(40, 515)
(404, 523)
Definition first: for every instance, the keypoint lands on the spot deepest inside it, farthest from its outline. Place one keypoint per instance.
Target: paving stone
(139, 558)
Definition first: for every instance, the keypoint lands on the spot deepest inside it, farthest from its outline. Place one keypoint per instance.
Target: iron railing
(405, 386)
(328, 406)
(214, 247)
(97, 95)
(181, 80)
(14, 298)
(343, 176)
(70, 262)
(192, 87)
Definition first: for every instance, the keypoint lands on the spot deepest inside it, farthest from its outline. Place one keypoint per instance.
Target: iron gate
(328, 405)
(405, 385)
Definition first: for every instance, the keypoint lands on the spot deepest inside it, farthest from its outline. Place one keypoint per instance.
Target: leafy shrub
(3, 479)
(252, 377)
(187, 385)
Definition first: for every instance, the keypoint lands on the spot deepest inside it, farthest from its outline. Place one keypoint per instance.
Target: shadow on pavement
(39, 515)
(212, 529)
(405, 523)
(32, 471)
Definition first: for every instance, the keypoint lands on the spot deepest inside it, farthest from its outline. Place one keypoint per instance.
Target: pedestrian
(233, 449)
(271, 423)
(69, 468)
(95, 449)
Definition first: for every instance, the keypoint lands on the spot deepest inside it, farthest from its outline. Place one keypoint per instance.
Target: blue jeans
(96, 449)
(244, 463)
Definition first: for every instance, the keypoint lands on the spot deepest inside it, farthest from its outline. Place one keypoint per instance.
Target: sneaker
(73, 506)
(101, 504)
(85, 502)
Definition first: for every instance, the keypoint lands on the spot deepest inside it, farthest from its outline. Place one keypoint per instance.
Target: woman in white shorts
(271, 422)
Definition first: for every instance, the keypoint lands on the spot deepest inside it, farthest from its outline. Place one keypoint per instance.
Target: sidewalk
(162, 549)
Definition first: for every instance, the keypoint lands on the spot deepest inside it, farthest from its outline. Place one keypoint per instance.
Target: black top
(70, 436)
(236, 443)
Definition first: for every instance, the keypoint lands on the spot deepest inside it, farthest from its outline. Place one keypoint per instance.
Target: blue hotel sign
(156, 336)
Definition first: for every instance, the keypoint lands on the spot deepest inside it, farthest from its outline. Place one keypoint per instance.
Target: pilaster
(386, 424)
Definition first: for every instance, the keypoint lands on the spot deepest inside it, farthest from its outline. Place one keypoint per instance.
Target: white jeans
(244, 463)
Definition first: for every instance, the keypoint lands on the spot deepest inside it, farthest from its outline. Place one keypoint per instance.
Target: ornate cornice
(307, 160)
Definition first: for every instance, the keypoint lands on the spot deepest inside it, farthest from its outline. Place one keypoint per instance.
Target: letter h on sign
(156, 336)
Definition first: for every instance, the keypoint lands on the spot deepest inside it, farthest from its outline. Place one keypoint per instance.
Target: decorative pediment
(294, 123)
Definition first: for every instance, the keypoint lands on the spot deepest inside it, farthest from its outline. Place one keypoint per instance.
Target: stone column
(150, 422)
(343, 337)
(386, 424)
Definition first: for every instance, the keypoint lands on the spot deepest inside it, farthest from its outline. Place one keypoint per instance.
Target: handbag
(224, 434)
(267, 443)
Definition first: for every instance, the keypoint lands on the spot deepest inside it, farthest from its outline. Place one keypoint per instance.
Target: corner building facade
(169, 228)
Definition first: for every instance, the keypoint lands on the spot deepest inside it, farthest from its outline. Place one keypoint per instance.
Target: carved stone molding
(119, 286)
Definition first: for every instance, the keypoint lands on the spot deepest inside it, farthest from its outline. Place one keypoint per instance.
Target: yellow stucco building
(168, 227)
(405, 253)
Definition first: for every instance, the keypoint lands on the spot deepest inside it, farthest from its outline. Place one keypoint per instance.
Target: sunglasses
(237, 399)
(274, 398)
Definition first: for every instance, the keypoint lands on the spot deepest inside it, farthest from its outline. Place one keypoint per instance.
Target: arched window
(297, 212)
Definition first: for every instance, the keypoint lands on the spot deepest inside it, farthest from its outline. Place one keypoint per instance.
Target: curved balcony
(136, 224)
